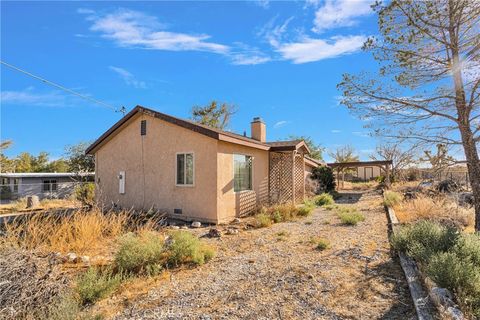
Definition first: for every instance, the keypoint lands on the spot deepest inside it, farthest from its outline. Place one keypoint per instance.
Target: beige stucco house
(193, 172)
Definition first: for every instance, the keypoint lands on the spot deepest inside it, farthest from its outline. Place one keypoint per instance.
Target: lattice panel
(281, 186)
(299, 176)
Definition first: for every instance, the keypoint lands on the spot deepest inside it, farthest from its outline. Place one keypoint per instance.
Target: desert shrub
(460, 276)
(350, 218)
(392, 198)
(140, 253)
(85, 193)
(305, 210)
(64, 308)
(324, 176)
(263, 220)
(94, 285)
(184, 247)
(323, 199)
(330, 207)
(5, 193)
(467, 248)
(322, 244)
(424, 239)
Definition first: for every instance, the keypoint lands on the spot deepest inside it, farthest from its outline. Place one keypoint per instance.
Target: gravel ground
(276, 273)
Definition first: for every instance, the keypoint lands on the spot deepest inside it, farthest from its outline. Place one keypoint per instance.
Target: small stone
(232, 231)
(71, 257)
(184, 227)
(236, 220)
(196, 224)
(174, 227)
(85, 259)
(214, 233)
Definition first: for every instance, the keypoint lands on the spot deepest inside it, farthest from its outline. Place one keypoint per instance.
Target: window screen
(242, 176)
(143, 127)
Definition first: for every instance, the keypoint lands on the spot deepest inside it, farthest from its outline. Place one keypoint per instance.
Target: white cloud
(309, 49)
(128, 28)
(336, 131)
(280, 124)
(247, 55)
(128, 78)
(85, 11)
(340, 13)
(30, 97)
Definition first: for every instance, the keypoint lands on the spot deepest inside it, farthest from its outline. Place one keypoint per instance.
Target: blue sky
(278, 60)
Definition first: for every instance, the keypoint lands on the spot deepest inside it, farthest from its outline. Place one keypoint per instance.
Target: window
(242, 172)
(15, 184)
(185, 170)
(49, 185)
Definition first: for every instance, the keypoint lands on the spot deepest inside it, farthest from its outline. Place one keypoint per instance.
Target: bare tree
(440, 160)
(214, 114)
(401, 158)
(428, 85)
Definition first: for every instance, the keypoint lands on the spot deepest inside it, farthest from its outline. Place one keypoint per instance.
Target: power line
(122, 109)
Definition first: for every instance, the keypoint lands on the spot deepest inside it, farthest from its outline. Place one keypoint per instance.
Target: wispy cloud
(265, 4)
(336, 131)
(340, 13)
(310, 50)
(30, 97)
(135, 29)
(128, 78)
(280, 124)
(361, 134)
(129, 28)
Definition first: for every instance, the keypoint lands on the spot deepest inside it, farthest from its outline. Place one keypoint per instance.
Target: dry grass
(439, 208)
(82, 232)
(359, 186)
(20, 205)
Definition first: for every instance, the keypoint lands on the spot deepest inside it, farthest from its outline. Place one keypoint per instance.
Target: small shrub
(351, 218)
(85, 193)
(186, 248)
(323, 199)
(424, 239)
(94, 285)
(277, 216)
(468, 248)
(330, 207)
(392, 198)
(305, 210)
(263, 220)
(460, 276)
(140, 254)
(322, 244)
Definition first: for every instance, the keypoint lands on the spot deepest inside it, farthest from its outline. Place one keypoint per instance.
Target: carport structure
(340, 167)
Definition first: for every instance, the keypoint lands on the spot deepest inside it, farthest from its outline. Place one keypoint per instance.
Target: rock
(184, 227)
(168, 241)
(232, 231)
(71, 257)
(174, 227)
(236, 220)
(214, 233)
(85, 259)
(33, 201)
(196, 224)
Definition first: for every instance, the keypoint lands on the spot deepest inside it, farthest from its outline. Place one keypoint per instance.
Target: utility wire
(122, 109)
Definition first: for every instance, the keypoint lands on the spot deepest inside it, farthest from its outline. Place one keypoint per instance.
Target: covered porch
(341, 167)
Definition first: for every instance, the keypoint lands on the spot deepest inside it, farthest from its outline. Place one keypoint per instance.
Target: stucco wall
(368, 173)
(231, 204)
(150, 169)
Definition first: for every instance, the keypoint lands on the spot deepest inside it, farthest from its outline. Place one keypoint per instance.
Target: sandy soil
(276, 273)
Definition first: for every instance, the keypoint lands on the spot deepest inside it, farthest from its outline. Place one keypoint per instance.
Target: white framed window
(185, 169)
(242, 172)
(49, 185)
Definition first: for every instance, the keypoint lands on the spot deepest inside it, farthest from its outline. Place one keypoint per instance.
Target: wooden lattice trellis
(287, 177)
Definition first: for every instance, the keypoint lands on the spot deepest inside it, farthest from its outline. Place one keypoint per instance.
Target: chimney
(259, 130)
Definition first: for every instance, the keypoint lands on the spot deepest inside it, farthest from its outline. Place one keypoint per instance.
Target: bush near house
(94, 285)
(324, 176)
(449, 257)
(323, 199)
(184, 247)
(85, 193)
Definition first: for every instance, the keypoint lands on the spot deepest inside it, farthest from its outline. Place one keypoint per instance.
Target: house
(150, 159)
(41, 184)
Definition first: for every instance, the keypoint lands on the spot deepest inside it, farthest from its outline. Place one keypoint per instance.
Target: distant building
(41, 184)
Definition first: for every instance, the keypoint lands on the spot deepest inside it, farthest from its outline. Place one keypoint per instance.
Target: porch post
(387, 178)
(293, 177)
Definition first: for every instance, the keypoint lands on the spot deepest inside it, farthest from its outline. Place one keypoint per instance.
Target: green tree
(77, 160)
(316, 150)
(428, 85)
(60, 165)
(6, 164)
(215, 115)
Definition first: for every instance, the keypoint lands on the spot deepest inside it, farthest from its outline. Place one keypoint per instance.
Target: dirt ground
(276, 273)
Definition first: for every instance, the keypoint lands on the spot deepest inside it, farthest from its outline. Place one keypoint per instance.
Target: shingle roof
(202, 129)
